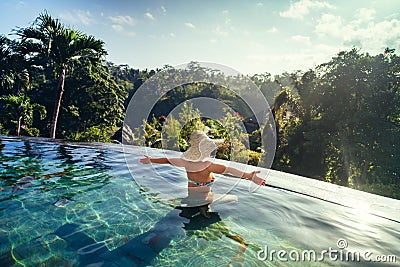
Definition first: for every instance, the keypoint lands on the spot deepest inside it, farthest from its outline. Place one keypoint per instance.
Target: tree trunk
(346, 162)
(364, 171)
(19, 126)
(58, 102)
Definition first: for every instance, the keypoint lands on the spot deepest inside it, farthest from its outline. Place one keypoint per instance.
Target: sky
(252, 37)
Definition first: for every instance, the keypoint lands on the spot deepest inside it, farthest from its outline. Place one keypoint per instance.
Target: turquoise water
(65, 204)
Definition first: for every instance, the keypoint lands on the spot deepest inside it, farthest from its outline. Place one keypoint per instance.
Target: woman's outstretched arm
(173, 161)
(222, 169)
(148, 160)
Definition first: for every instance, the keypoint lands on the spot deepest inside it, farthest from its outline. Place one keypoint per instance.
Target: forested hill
(338, 122)
(131, 79)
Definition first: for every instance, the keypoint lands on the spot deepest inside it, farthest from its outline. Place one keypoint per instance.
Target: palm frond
(87, 46)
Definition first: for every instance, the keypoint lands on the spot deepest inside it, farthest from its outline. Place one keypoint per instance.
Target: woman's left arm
(173, 161)
(148, 160)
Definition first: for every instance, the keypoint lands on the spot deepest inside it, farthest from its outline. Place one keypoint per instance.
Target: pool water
(64, 204)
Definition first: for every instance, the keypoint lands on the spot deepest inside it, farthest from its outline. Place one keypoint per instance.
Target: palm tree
(14, 77)
(20, 110)
(61, 46)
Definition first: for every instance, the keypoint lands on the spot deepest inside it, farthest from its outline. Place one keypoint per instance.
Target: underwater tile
(129, 261)
(29, 250)
(138, 249)
(62, 202)
(6, 258)
(57, 261)
(66, 229)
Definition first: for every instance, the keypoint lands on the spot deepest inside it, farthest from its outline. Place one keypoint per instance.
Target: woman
(200, 169)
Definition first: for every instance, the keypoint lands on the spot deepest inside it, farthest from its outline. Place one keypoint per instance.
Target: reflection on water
(63, 204)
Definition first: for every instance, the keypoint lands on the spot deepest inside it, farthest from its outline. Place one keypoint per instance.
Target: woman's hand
(257, 179)
(145, 160)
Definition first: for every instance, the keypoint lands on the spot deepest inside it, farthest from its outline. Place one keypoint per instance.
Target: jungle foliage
(338, 122)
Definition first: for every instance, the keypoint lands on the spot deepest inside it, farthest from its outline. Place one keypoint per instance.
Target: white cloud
(225, 27)
(68, 16)
(117, 27)
(362, 31)
(190, 25)
(298, 10)
(329, 24)
(365, 15)
(149, 16)
(21, 4)
(123, 20)
(163, 9)
(260, 4)
(120, 29)
(220, 31)
(172, 34)
(121, 23)
(303, 59)
(85, 17)
(77, 17)
(272, 30)
(301, 39)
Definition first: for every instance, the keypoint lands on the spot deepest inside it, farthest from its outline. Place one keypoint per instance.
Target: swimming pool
(64, 204)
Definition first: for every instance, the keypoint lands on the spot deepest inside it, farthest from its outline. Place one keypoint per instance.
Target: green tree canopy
(60, 46)
(18, 111)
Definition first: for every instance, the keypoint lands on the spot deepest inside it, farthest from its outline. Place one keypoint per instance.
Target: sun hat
(201, 146)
